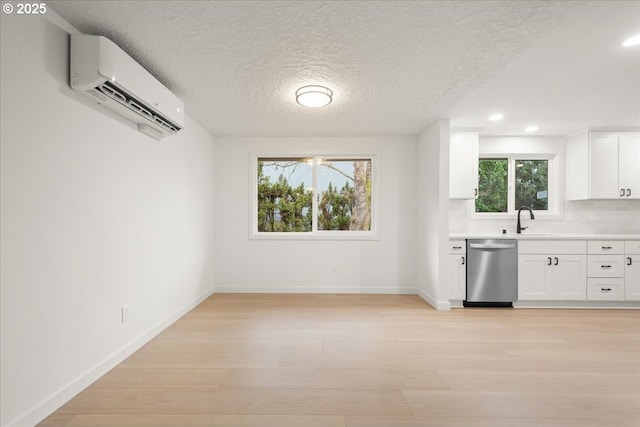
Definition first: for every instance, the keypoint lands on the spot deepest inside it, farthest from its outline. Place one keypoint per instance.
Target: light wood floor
(372, 361)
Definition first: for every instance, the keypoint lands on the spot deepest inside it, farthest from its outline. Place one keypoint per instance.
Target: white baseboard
(311, 290)
(579, 304)
(456, 303)
(49, 405)
(438, 305)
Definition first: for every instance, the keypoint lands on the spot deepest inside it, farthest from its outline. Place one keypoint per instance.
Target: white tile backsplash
(589, 216)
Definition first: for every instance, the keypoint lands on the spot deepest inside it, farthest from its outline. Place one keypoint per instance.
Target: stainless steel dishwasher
(492, 272)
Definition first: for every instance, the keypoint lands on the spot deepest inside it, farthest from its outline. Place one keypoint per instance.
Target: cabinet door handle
(606, 248)
(629, 260)
(549, 260)
(457, 247)
(556, 261)
(605, 289)
(628, 192)
(622, 192)
(462, 260)
(605, 266)
(475, 192)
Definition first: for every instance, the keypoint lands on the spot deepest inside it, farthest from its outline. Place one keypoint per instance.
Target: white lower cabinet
(457, 277)
(534, 278)
(632, 271)
(632, 278)
(605, 266)
(552, 277)
(605, 289)
(606, 271)
(552, 270)
(569, 278)
(564, 270)
(457, 270)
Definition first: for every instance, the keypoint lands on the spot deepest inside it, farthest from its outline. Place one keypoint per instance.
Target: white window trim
(315, 234)
(555, 205)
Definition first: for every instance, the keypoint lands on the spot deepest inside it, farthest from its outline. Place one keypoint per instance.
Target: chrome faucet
(519, 227)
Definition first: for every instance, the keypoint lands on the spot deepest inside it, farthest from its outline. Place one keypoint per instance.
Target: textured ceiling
(393, 66)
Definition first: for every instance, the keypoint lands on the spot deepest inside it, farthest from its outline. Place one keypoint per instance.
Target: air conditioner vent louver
(109, 76)
(134, 105)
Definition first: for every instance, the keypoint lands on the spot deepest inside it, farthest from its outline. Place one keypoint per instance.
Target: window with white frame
(314, 196)
(507, 183)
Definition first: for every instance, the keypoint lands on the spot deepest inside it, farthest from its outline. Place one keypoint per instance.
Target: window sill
(328, 235)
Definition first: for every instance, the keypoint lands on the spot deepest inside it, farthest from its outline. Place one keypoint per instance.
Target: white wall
(591, 216)
(433, 207)
(386, 265)
(95, 215)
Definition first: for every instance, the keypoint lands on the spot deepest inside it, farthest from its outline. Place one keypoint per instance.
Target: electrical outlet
(124, 312)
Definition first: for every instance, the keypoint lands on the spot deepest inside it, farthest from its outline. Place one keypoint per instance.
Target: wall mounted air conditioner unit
(104, 72)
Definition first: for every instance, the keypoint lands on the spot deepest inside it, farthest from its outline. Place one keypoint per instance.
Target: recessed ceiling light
(632, 41)
(314, 96)
(495, 117)
(531, 128)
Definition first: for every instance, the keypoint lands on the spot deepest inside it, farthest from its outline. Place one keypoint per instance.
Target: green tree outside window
(285, 196)
(532, 179)
(531, 185)
(492, 185)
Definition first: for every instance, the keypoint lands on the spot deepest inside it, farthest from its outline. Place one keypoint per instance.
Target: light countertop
(545, 236)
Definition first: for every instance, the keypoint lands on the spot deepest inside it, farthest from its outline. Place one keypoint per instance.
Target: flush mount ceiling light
(496, 116)
(632, 41)
(314, 96)
(531, 128)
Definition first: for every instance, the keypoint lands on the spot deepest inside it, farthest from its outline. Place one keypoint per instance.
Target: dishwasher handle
(492, 245)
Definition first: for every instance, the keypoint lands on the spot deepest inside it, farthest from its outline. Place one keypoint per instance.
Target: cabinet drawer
(632, 247)
(546, 247)
(457, 247)
(605, 266)
(605, 289)
(605, 247)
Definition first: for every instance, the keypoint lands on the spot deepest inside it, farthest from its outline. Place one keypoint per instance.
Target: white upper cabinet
(604, 174)
(630, 165)
(463, 165)
(603, 165)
